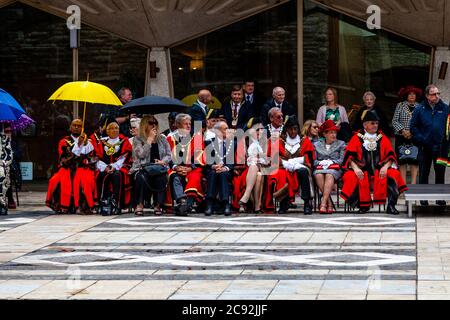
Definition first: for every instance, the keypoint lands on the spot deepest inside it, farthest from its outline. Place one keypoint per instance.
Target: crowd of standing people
(251, 156)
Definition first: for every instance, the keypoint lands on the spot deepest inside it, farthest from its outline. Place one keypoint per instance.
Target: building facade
(304, 46)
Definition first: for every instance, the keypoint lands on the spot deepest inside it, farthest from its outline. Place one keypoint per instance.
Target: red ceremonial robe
(354, 153)
(73, 177)
(307, 151)
(125, 150)
(194, 155)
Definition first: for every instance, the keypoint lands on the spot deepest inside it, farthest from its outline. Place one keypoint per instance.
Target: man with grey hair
(278, 100)
(125, 95)
(428, 128)
(185, 182)
(220, 166)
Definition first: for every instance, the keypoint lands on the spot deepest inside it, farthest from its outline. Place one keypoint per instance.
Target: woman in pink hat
(327, 166)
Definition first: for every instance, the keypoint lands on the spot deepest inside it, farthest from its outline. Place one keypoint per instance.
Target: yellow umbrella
(190, 100)
(87, 92)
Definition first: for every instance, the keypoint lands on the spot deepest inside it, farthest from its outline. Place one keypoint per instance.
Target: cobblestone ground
(375, 256)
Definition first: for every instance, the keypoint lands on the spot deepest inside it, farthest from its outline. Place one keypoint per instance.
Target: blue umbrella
(10, 109)
(154, 105)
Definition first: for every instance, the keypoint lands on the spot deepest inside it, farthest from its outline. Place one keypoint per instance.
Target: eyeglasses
(7, 131)
(435, 94)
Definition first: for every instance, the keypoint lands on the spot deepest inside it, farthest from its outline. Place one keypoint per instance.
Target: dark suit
(255, 105)
(219, 183)
(245, 114)
(197, 113)
(286, 108)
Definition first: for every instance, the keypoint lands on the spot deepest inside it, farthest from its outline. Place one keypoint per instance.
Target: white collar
(370, 135)
(112, 141)
(294, 141)
(74, 138)
(201, 104)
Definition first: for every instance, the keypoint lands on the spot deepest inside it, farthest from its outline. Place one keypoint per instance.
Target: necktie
(235, 110)
(224, 146)
(249, 99)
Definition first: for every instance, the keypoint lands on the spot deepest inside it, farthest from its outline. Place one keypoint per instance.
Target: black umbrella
(154, 105)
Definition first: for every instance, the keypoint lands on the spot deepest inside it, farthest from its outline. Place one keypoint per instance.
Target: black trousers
(104, 183)
(144, 186)
(305, 186)
(218, 183)
(426, 158)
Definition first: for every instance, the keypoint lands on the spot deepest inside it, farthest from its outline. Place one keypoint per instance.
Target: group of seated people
(222, 170)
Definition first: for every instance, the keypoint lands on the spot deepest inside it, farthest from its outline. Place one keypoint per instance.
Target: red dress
(192, 157)
(126, 151)
(384, 153)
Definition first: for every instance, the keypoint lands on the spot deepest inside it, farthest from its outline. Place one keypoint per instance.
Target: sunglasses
(152, 123)
(7, 131)
(315, 127)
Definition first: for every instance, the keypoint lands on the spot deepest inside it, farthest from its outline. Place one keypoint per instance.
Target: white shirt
(209, 135)
(293, 144)
(116, 165)
(203, 106)
(83, 150)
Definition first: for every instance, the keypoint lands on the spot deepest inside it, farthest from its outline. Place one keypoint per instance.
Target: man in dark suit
(237, 112)
(200, 109)
(278, 101)
(220, 152)
(252, 99)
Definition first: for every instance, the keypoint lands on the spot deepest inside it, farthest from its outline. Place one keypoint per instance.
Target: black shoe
(441, 203)
(363, 210)
(392, 210)
(3, 211)
(182, 208)
(424, 203)
(308, 209)
(227, 210)
(105, 208)
(209, 210)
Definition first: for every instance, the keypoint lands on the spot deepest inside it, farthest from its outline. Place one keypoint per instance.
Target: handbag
(155, 169)
(408, 152)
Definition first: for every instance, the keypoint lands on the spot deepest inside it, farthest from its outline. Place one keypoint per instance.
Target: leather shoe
(363, 210)
(209, 210)
(424, 203)
(227, 210)
(308, 210)
(182, 208)
(441, 203)
(392, 210)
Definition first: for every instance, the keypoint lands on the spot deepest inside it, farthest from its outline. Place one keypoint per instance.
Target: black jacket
(383, 124)
(286, 108)
(245, 114)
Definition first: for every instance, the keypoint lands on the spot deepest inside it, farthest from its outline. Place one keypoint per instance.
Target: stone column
(442, 54)
(162, 85)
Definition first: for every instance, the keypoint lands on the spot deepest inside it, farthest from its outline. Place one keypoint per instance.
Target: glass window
(262, 48)
(36, 60)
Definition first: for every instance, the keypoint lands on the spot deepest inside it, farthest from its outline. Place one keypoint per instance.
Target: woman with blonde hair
(151, 158)
(311, 130)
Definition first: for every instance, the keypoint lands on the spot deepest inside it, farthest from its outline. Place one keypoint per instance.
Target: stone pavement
(375, 256)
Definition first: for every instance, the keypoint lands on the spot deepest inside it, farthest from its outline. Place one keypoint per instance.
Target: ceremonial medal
(111, 151)
(372, 146)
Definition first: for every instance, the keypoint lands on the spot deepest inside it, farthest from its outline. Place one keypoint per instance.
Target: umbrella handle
(84, 117)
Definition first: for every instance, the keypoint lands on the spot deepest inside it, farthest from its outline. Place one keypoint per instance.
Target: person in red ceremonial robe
(114, 154)
(75, 177)
(186, 174)
(298, 157)
(370, 161)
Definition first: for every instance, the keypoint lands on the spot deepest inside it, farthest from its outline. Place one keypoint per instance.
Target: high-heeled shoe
(323, 209)
(242, 206)
(330, 210)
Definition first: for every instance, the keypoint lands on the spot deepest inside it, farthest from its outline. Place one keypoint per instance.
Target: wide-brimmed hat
(328, 125)
(370, 116)
(253, 121)
(291, 121)
(405, 91)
